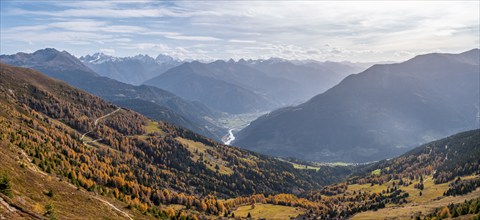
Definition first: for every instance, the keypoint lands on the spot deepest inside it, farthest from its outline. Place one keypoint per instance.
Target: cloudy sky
(320, 30)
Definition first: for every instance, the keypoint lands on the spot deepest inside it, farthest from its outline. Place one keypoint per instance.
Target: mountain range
(132, 70)
(376, 114)
(65, 153)
(253, 85)
(215, 84)
(156, 103)
(310, 77)
(206, 89)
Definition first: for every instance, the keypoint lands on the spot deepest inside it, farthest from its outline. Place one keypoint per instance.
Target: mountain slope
(132, 70)
(310, 78)
(212, 84)
(376, 114)
(442, 172)
(64, 66)
(423, 181)
(444, 159)
(33, 191)
(412, 184)
(124, 155)
(249, 86)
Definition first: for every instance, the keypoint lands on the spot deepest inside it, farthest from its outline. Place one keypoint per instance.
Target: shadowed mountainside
(376, 114)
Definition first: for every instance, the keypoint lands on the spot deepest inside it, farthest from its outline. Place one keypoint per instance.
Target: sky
(357, 31)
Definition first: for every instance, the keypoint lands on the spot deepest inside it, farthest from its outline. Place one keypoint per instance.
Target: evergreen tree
(5, 185)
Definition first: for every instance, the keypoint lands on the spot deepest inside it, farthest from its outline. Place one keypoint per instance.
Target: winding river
(230, 137)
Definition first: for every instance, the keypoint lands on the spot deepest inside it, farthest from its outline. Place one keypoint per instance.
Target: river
(235, 123)
(230, 137)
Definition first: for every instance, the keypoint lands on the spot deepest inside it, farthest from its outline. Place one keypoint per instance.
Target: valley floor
(235, 123)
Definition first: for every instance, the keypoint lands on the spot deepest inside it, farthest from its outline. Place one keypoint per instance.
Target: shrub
(5, 185)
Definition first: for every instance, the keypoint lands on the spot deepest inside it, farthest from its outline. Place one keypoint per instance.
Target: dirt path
(113, 207)
(96, 123)
(15, 211)
(89, 142)
(86, 142)
(111, 113)
(7, 206)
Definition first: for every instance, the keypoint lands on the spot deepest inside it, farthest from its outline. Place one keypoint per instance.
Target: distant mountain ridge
(47, 57)
(310, 77)
(51, 59)
(64, 66)
(212, 84)
(250, 86)
(376, 114)
(100, 57)
(133, 70)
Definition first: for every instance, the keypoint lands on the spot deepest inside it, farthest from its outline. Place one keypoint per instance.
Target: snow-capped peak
(97, 58)
(162, 58)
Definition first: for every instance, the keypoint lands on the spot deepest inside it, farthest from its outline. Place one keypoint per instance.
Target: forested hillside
(445, 159)
(117, 156)
(121, 154)
(417, 184)
(171, 108)
(436, 171)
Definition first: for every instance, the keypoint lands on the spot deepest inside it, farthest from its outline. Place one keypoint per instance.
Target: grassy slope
(268, 211)
(432, 197)
(197, 148)
(430, 192)
(411, 209)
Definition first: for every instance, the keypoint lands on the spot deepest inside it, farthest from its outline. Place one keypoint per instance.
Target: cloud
(357, 31)
(158, 48)
(193, 38)
(108, 51)
(59, 36)
(242, 41)
(80, 25)
(102, 13)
